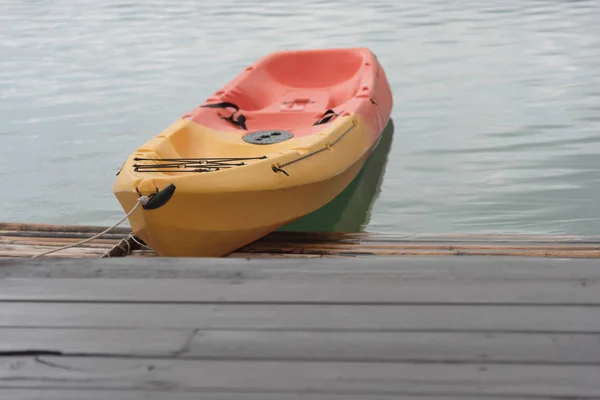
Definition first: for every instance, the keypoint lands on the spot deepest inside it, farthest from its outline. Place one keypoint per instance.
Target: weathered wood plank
(240, 254)
(424, 252)
(35, 238)
(312, 377)
(322, 237)
(133, 342)
(308, 346)
(321, 329)
(353, 237)
(293, 345)
(309, 288)
(90, 229)
(24, 240)
(100, 394)
(48, 234)
(415, 245)
(46, 241)
(16, 250)
(304, 317)
(396, 346)
(27, 251)
(346, 269)
(67, 254)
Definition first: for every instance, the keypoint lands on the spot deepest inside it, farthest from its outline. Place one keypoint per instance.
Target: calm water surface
(496, 123)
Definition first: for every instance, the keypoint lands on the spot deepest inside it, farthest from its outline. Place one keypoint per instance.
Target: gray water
(496, 115)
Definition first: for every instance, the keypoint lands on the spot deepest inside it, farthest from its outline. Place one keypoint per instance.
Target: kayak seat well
(290, 90)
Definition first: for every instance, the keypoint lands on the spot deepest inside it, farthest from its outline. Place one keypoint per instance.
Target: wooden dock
(26, 240)
(297, 315)
(425, 327)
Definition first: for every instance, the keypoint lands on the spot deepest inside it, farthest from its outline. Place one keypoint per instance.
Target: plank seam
(36, 354)
(477, 394)
(448, 304)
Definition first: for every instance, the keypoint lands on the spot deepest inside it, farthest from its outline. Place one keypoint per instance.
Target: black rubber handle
(161, 198)
(225, 104)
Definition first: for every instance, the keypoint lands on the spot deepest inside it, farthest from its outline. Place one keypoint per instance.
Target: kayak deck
(293, 91)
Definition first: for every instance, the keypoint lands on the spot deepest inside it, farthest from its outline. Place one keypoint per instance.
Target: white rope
(126, 242)
(132, 237)
(143, 200)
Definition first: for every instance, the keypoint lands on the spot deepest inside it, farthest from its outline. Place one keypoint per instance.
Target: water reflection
(350, 211)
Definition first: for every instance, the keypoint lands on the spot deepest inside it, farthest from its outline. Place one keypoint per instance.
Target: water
(496, 123)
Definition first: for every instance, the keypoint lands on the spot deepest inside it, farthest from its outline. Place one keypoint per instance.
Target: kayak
(350, 211)
(280, 140)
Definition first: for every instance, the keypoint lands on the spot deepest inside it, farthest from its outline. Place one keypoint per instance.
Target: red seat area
(292, 89)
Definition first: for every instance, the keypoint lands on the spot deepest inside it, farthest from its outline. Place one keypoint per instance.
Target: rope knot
(143, 200)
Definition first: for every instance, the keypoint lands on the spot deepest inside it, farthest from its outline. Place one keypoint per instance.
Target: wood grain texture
(70, 394)
(417, 328)
(310, 290)
(26, 240)
(208, 376)
(531, 348)
(443, 347)
(124, 342)
(324, 237)
(347, 269)
(304, 317)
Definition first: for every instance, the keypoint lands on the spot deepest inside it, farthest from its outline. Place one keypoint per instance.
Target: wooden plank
(305, 289)
(322, 237)
(396, 346)
(25, 240)
(240, 254)
(30, 251)
(61, 238)
(91, 229)
(367, 251)
(41, 247)
(134, 342)
(76, 235)
(50, 241)
(352, 237)
(416, 245)
(304, 317)
(18, 250)
(300, 377)
(345, 269)
(100, 394)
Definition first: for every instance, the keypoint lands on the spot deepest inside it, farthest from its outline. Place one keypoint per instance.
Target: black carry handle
(241, 119)
(160, 198)
(327, 116)
(224, 104)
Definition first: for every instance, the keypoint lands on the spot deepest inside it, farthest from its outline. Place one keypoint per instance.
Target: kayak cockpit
(292, 91)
